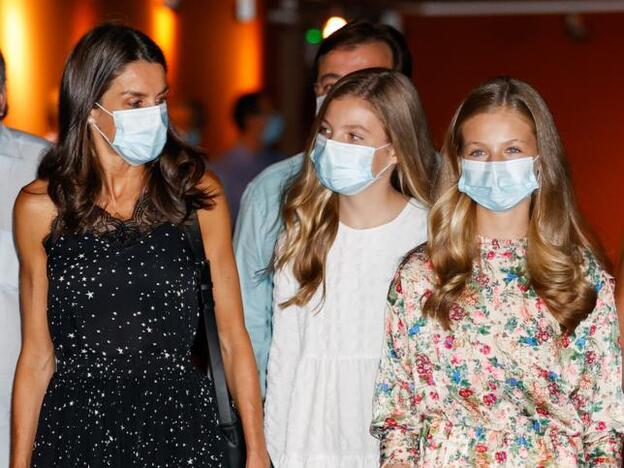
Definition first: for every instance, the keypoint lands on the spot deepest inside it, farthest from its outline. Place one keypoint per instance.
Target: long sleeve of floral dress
(503, 387)
(598, 398)
(396, 419)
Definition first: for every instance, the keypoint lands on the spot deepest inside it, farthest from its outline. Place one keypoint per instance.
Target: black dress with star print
(123, 313)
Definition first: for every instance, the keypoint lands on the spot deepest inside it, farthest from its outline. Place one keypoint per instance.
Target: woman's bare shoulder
(34, 204)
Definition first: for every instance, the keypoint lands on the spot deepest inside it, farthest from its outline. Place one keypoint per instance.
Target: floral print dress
(504, 387)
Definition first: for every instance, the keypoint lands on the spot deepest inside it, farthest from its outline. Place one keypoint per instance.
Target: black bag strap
(215, 361)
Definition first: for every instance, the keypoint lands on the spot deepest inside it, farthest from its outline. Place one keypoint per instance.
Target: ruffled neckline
(506, 248)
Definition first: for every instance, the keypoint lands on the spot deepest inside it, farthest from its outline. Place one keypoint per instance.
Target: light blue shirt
(257, 228)
(19, 158)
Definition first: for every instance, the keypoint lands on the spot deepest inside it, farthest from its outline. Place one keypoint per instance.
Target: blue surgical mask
(140, 134)
(319, 102)
(273, 129)
(345, 168)
(498, 185)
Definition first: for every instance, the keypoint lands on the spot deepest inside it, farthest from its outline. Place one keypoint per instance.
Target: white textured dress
(323, 360)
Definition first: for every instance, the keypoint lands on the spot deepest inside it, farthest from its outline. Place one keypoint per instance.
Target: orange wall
(581, 82)
(211, 56)
(221, 59)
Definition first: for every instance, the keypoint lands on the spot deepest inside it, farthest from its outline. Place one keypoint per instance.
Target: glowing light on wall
(17, 50)
(248, 53)
(164, 32)
(332, 25)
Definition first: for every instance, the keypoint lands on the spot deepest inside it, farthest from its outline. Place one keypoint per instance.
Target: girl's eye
(135, 104)
(477, 153)
(324, 131)
(354, 137)
(514, 150)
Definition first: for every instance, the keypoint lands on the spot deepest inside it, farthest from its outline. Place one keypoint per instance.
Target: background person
(19, 158)
(260, 127)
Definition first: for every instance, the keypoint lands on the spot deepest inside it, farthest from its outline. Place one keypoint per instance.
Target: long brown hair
(557, 235)
(310, 211)
(71, 166)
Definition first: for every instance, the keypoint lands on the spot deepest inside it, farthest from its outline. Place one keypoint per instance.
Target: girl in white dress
(357, 207)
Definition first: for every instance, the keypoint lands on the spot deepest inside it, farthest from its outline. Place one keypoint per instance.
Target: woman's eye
(135, 104)
(324, 131)
(514, 150)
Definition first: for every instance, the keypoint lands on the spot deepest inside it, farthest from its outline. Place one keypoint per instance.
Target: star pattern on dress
(124, 376)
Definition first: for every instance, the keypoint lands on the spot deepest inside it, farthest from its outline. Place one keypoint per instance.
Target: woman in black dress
(108, 285)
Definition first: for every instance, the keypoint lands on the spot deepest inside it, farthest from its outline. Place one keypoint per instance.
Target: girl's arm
(33, 215)
(238, 358)
(599, 399)
(619, 304)
(398, 398)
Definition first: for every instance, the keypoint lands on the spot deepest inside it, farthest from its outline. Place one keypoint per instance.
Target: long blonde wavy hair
(557, 235)
(310, 211)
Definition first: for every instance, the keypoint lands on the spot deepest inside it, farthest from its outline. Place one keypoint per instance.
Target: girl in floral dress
(501, 331)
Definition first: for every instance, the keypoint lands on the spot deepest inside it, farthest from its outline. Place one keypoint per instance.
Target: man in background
(19, 158)
(259, 129)
(356, 46)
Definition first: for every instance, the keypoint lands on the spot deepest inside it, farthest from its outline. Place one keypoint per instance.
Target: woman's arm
(238, 357)
(33, 215)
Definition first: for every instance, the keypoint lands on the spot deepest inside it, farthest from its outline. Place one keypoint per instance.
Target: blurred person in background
(108, 283)
(189, 119)
(19, 158)
(356, 46)
(259, 128)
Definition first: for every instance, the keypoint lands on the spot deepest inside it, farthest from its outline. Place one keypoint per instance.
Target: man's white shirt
(20, 154)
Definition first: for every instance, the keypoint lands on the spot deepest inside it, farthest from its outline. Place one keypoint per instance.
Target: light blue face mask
(273, 129)
(140, 134)
(498, 185)
(319, 102)
(345, 168)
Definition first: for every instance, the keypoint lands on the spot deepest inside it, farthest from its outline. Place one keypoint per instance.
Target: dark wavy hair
(71, 167)
(359, 32)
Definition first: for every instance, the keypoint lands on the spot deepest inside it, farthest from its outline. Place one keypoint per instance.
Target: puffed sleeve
(399, 399)
(599, 399)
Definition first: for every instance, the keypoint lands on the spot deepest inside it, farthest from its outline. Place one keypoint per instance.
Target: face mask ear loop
(538, 171)
(100, 131)
(94, 125)
(101, 107)
(387, 166)
(103, 136)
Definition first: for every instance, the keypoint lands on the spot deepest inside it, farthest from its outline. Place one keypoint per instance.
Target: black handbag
(229, 422)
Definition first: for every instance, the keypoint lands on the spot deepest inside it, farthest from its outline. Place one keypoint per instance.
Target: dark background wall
(214, 57)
